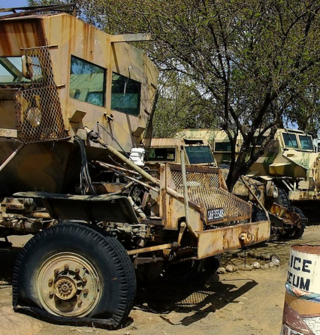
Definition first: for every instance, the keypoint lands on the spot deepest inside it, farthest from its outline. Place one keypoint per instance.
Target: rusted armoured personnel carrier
(67, 92)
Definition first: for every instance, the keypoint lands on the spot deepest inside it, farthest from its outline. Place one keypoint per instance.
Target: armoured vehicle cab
(196, 151)
(291, 161)
(57, 75)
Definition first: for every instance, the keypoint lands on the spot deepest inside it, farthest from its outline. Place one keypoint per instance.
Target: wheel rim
(68, 285)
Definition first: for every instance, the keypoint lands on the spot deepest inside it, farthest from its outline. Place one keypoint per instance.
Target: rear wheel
(74, 271)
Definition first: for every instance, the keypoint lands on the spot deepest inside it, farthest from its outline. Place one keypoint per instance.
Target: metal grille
(204, 189)
(38, 109)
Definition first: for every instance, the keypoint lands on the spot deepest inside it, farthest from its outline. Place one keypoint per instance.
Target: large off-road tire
(282, 198)
(74, 271)
(258, 214)
(297, 231)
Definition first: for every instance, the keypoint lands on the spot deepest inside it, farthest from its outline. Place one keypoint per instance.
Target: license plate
(215, 214)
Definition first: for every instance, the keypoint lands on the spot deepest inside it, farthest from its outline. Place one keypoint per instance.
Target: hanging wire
(113, 139)
(85, 179)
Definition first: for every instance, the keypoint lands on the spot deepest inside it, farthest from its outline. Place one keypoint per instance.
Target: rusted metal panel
(304, 195)
(20, 33)
(217, 241)
(130, 38)
(176, 211)
(287, 216)
(76, 38)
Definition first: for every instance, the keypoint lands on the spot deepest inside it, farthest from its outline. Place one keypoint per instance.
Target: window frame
(123, 110)
(104, 83)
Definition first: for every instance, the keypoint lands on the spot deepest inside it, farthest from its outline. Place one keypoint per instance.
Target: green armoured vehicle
(68, 92)
(291, 161)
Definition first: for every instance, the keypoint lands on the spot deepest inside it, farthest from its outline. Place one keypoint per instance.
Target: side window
(125, 95)
(11, 70)
(87, 82)
(223, 146)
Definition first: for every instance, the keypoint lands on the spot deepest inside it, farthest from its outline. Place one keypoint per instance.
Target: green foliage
(180, 106)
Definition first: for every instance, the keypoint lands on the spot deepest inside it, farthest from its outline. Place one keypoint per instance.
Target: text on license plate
(215, 214)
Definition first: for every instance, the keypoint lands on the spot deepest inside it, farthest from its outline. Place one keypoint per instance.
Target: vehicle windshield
(306, 142)
(223, 146)
(161, 154)
(199, 155)
(290, 141)
(11, 70)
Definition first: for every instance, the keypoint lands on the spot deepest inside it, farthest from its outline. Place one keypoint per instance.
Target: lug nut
(51, 294)
(77, 271)
(79, 303)
(85, 292)
(56, 272)
(66, 267)
(50, 282)
(84, 280)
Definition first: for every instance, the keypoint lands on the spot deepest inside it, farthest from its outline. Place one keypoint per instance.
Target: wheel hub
(68, 285)
(65, 288)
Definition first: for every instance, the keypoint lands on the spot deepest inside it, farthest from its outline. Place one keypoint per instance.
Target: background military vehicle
(68, 91)
(197, 151)
(291, 161)
(269, 178)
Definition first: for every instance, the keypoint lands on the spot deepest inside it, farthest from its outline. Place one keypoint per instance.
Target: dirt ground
(241, 302)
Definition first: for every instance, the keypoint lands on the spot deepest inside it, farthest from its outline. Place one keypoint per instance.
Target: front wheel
(74, 271)
(298, 231)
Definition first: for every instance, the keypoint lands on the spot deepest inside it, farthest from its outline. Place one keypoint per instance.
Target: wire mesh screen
(204, 189)
(38, 109)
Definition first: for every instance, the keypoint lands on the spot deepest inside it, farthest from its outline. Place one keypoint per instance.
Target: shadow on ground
(8, 257)
(195, 299)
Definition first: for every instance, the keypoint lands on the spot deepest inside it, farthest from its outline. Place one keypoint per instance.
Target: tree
(254, 62)
(180, 105)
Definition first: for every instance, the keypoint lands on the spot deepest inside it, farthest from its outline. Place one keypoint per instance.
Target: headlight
(271, 190)
(33, 116)
(275, 192)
